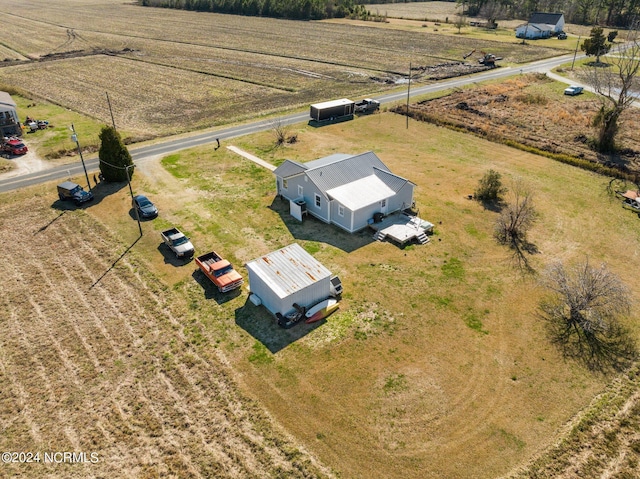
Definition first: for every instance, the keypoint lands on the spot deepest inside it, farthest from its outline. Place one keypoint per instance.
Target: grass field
(436, 361)
(169, 71)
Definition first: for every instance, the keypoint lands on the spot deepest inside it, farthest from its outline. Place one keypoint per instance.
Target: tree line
(290, 9)
(614, 13)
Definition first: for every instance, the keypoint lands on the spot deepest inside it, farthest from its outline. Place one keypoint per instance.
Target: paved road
(169, 145)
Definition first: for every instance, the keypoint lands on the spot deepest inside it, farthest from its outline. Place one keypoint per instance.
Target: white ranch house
(541, 25)
(345, 190)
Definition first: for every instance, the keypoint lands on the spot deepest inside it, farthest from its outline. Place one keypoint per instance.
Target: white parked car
(632, 205)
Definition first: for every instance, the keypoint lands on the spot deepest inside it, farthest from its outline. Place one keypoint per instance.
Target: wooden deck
(401, 228)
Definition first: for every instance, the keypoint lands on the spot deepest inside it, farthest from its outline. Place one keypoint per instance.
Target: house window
(300, 190)
(284, 183)
(340, 210)
(317, 200)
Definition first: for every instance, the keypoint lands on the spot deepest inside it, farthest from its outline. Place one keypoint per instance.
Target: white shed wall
(304, 297)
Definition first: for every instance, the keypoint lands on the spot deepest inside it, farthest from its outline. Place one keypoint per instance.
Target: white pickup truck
(178, 243)
(367, 106)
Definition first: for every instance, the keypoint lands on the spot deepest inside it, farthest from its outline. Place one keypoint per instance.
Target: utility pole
(74, 137)
(113, 122)
(575, 53)
(132, 202)
(408, 94)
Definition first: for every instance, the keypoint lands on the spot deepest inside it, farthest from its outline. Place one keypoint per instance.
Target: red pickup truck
(13, 146)
(219, 271)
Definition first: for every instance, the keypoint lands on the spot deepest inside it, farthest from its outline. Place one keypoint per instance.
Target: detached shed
(287, 276)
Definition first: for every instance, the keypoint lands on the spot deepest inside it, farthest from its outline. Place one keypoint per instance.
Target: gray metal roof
(288, 270)
(6, 100)
(360, 193)
(327, 160)
(338, 173)
(545, 18)
(394, 182)
(289, 168)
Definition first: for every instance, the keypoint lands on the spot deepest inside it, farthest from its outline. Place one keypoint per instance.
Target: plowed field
(94, 359)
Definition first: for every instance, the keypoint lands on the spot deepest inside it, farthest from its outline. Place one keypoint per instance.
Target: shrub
(490, 187)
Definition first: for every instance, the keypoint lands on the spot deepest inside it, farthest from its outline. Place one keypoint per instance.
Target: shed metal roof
(288, 270)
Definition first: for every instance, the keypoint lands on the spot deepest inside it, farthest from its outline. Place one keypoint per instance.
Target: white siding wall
(341, 221)
(305, 297)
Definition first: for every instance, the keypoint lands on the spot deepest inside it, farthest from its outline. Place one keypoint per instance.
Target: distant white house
(541, 25)
(345, 190)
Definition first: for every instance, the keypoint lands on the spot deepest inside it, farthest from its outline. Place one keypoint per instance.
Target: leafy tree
(460, 22)
(615, 86)
(584, 310)
(114, 157)
(596, 45)
(490, 187)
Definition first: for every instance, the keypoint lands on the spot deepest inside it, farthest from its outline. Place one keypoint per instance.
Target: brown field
(98, 356)
(417, 10)
(170, 71)
(532, 110)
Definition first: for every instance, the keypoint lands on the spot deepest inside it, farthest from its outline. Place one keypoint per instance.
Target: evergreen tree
(114, 157)
(596, 44)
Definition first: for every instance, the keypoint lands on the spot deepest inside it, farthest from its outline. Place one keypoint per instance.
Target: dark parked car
(146, 209)
(71, 191)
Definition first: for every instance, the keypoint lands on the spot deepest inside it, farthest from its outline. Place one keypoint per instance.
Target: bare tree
(583, 312)
(280, 131)
(460, 21)
(517, 217)
(615, 85)
(514, 222)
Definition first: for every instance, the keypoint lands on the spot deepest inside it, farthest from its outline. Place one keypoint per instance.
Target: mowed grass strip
(436, 360)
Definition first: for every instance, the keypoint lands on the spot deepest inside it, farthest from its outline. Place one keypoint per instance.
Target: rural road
(169, 145)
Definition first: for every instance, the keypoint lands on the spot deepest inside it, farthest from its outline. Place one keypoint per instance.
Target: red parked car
(13, 146)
